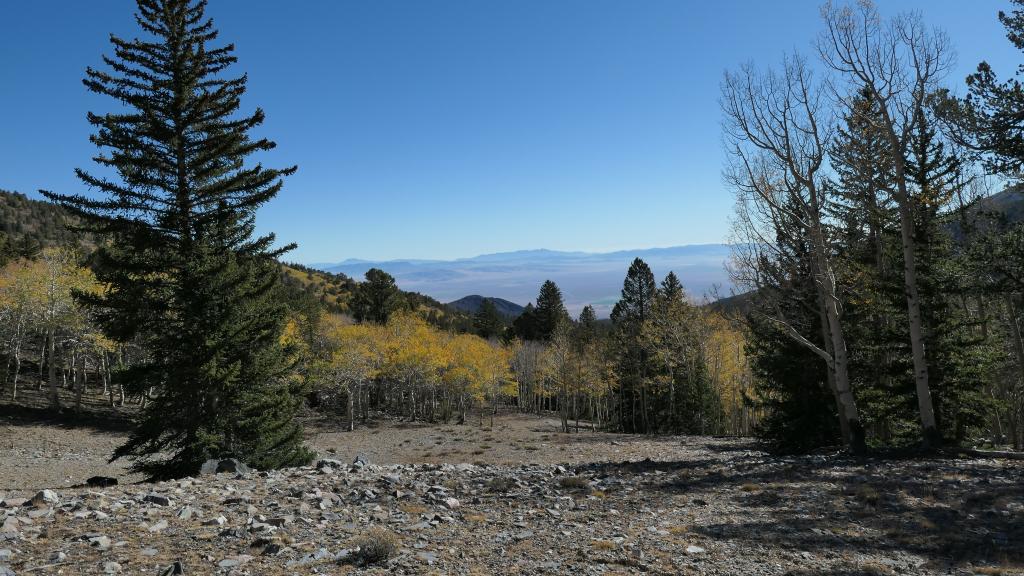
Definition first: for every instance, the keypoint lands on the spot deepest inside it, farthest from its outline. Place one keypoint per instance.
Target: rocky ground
(515, 498)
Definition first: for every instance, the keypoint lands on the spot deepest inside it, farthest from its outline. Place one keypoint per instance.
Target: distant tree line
(663, 365)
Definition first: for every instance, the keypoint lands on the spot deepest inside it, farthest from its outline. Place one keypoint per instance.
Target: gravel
(579, 504)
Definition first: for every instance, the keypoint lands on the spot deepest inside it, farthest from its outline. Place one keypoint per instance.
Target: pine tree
(587, 325)
(487, 321)
(957, 350)
(550, 312)
(377, 298)
(868, 245)
(672, 289)
(991, 121)
(673, 339)
(187, 278)
(793, 386)
(525, 325)
(633, 370)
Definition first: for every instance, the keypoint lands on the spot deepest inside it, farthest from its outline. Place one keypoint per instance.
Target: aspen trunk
(51, 347)
(351, 409)
(840, 359)
(17, 372)
(929, 430)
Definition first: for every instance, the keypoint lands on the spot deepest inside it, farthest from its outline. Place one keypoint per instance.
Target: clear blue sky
(443, 128)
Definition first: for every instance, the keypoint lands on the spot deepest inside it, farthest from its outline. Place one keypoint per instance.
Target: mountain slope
(40, 224)
(333, 291)
(36, 222)
(471, 304)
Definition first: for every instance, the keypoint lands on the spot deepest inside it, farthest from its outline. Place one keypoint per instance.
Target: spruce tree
(957, 348)
(672, 289)
(376, 299)
(793, 388)
(684, 399)
(991, 121)
(550, 312)
(587, 325)
(632, 367)
(187, 279)
(525, 325)
(868, 246)
(487, 321)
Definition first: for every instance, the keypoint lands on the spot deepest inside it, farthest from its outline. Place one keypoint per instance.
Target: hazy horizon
(585, 278)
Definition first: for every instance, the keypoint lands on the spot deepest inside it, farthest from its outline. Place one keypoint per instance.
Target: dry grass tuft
(501, 485)
(867, 495)
(574, 483)
(376, 546)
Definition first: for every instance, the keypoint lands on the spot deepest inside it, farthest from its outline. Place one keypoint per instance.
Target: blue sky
(444, 128)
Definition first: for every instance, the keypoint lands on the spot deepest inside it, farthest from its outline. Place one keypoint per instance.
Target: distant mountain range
(584, 277)
(471, 304)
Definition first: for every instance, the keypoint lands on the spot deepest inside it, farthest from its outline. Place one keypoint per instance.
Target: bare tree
(900, 63)
(777, 133)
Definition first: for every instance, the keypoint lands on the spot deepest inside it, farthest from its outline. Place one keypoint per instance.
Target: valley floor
(516, 498)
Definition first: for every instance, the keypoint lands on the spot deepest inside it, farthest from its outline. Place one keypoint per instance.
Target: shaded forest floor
(655, 505)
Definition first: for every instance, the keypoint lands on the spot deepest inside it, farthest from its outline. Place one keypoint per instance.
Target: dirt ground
(37, 450)
(528, 499)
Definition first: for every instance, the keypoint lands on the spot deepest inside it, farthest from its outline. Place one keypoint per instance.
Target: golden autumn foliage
(412, 367)
(38, 309)
(729, 370)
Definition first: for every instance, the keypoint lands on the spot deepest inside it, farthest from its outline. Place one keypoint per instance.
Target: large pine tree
(550, 312)
(187, 278)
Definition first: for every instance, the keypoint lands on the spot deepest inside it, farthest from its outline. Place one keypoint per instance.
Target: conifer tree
(868, 245)
(673, 340)
(629, 315)
(487, 321)
(958, 355)
(525, 326)
(377, 298)
(672, 289)
(587, 324)
(550, 312)
(187, 278)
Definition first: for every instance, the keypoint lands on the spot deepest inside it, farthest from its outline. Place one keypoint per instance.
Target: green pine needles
(188, 280)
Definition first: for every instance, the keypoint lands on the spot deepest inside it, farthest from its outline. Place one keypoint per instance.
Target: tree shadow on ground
(948, 511)
(103, 422)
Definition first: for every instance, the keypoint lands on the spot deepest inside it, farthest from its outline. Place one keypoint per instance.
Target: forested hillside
(28, 225)
(473, 303)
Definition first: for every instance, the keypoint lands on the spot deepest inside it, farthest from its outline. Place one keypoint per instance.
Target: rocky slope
(717, 507)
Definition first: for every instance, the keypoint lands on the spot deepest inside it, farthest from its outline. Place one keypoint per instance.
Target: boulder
(224, 465)
(45, 498)
(157, 499)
